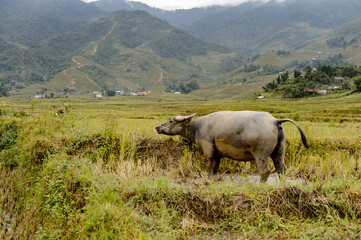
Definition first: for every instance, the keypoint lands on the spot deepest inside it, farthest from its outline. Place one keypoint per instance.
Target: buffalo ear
(188, 119)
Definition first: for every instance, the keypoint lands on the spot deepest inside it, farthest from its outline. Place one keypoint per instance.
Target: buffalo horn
(181, 118)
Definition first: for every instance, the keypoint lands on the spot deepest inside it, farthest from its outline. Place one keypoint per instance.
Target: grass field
(100, 171)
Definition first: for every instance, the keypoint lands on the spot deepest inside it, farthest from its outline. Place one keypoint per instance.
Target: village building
(338, 79)
(142, 93)
(97, 95)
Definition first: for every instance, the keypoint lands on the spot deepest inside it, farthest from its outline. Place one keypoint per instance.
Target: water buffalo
(239, 135)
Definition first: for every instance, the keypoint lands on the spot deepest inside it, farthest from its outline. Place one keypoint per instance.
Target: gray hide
(239, 135)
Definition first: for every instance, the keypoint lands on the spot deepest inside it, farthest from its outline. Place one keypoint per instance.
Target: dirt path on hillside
(95, 49)
(76, 62)
(72, 82)
(160, 80)
(112, 29)
(110, 32)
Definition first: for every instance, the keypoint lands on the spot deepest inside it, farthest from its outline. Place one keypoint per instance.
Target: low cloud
(187, 4)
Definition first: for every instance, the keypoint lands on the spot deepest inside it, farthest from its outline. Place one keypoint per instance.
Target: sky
(187, 4)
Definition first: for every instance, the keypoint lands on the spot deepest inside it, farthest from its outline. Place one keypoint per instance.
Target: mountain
(25, 24)
(178, 18)
(30, 21)
(54, 44)
(344, 41)
(255, 27)
(274, 26)
(131, 50)
(24, 64)
(340, 47)
(68, 45)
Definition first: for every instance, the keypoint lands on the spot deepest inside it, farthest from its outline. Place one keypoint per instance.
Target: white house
(97, 95)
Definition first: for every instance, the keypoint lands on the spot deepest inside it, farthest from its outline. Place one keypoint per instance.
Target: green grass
(100, 171)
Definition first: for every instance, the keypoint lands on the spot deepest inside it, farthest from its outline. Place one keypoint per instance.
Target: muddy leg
(279, 165)
(278, 158)
(263, 167)
(215, 161)
(212, 157)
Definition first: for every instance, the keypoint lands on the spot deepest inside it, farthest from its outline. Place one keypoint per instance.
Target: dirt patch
(273, 179)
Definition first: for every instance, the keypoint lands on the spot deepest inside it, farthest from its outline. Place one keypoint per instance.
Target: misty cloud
(187, 4)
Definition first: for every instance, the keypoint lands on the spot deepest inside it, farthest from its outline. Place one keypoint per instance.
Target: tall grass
(91, 174)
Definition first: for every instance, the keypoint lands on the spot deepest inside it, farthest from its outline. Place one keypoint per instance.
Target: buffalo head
(175, 125)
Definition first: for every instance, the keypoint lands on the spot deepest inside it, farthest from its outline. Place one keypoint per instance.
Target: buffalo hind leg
(278, 156)
(279, 164)
(263, 167)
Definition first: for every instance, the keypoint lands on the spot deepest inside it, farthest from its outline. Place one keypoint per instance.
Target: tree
(193, 84)
(297, 73)
(345, 85)
(4, 91)
(293, 92)
(328, 69)
(357, 83)
(320, 77)
(284, 76)
(308, 70)
(110, 93)
(278, 79)
(270, 86)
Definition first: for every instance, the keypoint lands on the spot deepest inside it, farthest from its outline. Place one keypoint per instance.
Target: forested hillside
(25, 24)
(72, 46)
(125, 50)
(30, 21)
(255, 27)
(181, 18)
(346, 39)
(314, 81)
(276, 26)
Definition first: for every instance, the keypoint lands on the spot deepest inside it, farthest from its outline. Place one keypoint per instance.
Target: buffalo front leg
(212, 157)
(214, 165)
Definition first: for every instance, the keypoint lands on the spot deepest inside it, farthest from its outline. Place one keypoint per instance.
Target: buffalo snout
(159, 130)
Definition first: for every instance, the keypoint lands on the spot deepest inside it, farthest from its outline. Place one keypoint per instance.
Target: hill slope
(178, 18)
(274, 26)
(131, 50)
(24, 24)
(346, 40)
(340, 47)
(255, 27)
(30, 21)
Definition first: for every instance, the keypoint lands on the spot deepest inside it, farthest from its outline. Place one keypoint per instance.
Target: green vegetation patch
(100, 171)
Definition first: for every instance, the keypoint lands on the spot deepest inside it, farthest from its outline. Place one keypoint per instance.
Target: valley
(131, 51)
(100, 170)
(83, 86)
